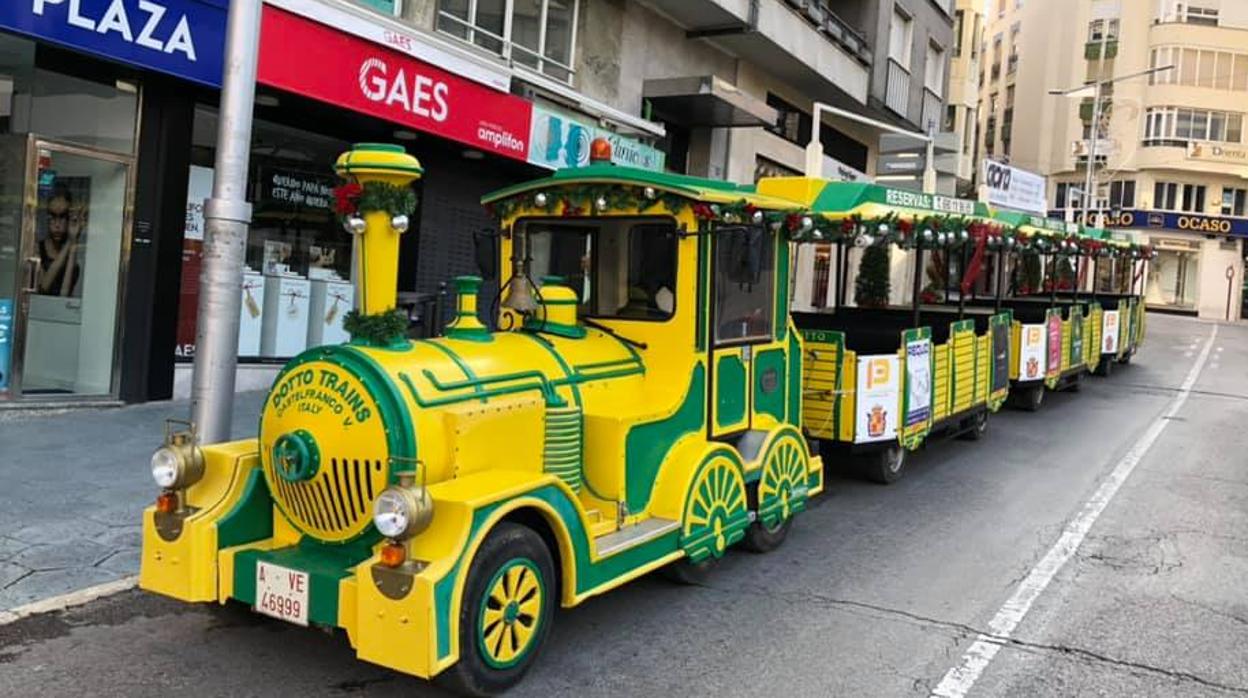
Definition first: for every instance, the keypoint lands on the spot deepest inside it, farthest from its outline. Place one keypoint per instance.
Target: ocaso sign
(308, 58)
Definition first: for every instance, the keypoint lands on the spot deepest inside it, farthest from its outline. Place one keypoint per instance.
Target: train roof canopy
(843, 199)
(711, 191)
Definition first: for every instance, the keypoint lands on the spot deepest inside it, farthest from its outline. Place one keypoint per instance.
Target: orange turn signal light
(167, 502)
(393, 554)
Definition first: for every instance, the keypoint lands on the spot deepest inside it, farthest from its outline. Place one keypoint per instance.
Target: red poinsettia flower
(703, 212)
(905, 225)
(346, 197)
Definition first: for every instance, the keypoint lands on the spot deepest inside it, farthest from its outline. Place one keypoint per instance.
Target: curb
(64, 601)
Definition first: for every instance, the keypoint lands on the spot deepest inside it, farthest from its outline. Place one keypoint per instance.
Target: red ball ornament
(600, 151)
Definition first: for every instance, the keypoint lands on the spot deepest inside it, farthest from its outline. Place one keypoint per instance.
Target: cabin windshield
(619, 268)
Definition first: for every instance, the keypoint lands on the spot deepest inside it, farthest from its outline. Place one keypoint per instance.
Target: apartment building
(962, 105)
(1170, 162)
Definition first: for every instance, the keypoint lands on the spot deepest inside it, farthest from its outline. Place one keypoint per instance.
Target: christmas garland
(354, 199)
(384, 329)
(932, 231)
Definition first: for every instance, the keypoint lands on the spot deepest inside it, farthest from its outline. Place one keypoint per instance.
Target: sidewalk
(73, 485)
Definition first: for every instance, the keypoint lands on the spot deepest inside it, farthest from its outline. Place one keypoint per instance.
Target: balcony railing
(464, 30)
(820, 14)
(897, 89)
(933, 111)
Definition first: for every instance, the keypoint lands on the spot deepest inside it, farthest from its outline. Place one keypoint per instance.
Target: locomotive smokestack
(383, 200)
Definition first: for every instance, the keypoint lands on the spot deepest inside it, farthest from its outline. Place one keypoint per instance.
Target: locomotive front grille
(336, 503)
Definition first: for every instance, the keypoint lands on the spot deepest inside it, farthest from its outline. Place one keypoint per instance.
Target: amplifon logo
(422, 95)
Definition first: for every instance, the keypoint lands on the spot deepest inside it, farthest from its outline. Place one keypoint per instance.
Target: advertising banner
(557, 140)
(1031, 356)
(185, 38)
(1001, 356)
(1010, 187)
(311, 59)
(879, 378)
(918, 381)
(1054, 329)
(6, 340)
(1109, 332)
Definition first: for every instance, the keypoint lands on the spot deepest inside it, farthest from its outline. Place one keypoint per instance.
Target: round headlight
(166, 467)
(402, 511)
(390, 514)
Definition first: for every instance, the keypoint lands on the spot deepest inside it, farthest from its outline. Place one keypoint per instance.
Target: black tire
(1030, 399)
(1075, 384)
(1126, 358)
(688, 573)
(885, 466)
(508, 547)
(979, 427)
(760, 539)
(1105, 368)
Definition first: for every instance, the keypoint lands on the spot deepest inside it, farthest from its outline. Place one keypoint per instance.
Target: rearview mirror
(485, 248)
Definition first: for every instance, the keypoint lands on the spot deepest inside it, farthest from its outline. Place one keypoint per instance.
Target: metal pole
(918, 280)
(929, 171)
(227, 216)
(1000, 279)
(1095, 138)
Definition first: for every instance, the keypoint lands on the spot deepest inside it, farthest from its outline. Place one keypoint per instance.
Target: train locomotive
(437, 498)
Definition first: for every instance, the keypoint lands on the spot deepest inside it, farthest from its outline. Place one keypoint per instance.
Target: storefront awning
(706, 100)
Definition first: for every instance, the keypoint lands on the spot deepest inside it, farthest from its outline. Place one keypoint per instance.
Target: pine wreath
(384, 329)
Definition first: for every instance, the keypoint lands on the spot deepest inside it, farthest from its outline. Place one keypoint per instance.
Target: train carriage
(638, 408)
(883, 377)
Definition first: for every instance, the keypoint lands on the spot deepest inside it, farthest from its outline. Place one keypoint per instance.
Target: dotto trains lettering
(312, 390)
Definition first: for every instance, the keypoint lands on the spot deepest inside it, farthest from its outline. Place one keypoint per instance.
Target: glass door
(75, 232)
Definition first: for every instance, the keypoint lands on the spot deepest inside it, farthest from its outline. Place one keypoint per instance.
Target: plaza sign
(1169, 220)
(309, 58)
(185, 38)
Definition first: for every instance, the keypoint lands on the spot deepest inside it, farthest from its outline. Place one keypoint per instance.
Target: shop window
(540, 33)
(298, 258)
(1233, 201)
(744, 283)
(622, 269)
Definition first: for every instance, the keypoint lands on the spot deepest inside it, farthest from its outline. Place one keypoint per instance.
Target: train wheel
(1031, 398)
(506, 613)
(717, 513)
(979, 427)
(781, 493)
(689, 573)
(884, 466)
(1105, 369)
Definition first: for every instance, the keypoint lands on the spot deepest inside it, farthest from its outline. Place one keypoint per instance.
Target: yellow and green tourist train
(647, 399)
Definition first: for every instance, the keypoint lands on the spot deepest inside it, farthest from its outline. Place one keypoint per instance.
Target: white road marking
(64, 601)
(959, 680)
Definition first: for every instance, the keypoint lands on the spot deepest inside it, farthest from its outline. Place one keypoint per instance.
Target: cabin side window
(744, 283)
(622, 269)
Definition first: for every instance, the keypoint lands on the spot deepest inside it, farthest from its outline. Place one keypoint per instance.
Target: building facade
(1170, 161)
(962, 105)
(119, 137)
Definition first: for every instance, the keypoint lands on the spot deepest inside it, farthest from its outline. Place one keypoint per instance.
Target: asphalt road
(879, 591)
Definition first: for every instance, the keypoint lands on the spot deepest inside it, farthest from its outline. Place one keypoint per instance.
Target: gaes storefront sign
(185, 38)
(1169, 220)
(303, 56)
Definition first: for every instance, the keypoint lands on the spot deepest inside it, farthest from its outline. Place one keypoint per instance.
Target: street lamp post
(1094, 137)
(227, 216)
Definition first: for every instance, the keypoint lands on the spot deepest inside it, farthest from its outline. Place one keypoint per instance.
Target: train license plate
(282, 593)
